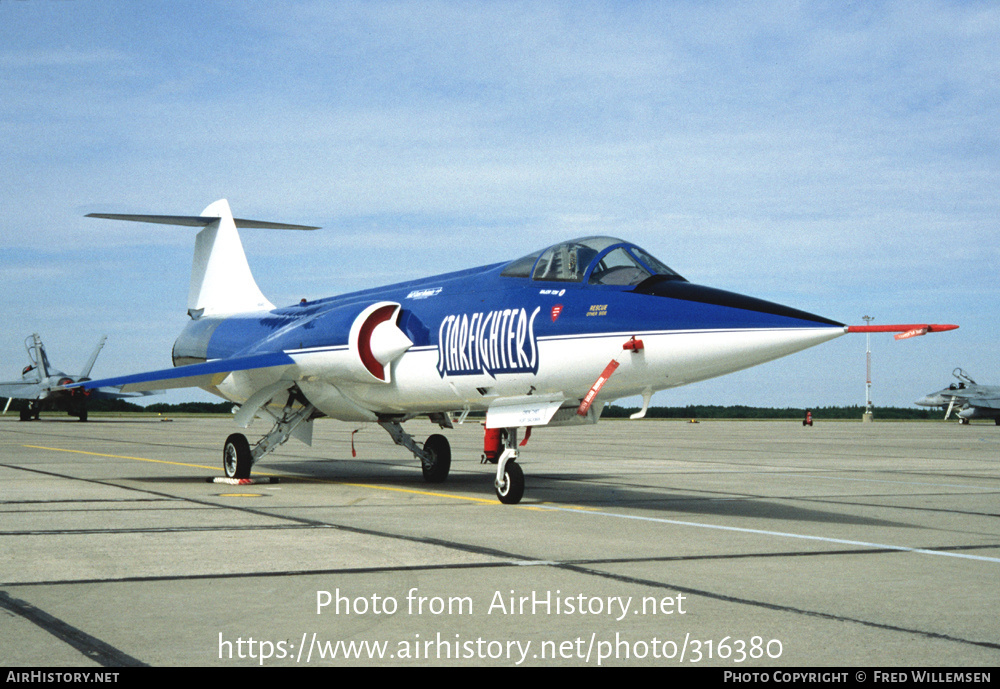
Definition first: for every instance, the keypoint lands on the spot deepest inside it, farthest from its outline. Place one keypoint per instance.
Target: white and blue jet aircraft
(544, 340)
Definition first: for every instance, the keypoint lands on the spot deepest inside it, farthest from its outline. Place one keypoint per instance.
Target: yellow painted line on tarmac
(392, 489)
(372, 486)
(101, 454)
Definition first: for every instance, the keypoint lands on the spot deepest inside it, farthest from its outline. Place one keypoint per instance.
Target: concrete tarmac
(743, 545)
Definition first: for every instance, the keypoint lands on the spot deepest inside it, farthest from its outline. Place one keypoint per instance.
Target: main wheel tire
(436, 468)
(236, 458)
(513, 488)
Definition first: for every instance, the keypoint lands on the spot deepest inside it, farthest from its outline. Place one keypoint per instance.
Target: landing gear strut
(237, 455)
(434, 456)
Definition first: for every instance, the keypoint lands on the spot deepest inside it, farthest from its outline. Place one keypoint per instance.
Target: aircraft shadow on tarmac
(592, 490)
(599, 491)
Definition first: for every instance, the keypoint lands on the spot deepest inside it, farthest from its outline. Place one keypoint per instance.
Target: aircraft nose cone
(756, 311)
(934, 400)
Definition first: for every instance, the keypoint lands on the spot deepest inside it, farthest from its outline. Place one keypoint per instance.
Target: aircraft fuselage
(478, 336)
(546, 339)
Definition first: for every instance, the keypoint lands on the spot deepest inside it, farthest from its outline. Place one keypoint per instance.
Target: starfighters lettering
(500, 341)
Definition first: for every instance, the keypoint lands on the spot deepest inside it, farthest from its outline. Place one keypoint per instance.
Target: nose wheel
(510, 488)
(500, 446)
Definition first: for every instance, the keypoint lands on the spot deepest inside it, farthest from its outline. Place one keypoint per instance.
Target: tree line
(611, 411)
(702, 411)
(161, 408)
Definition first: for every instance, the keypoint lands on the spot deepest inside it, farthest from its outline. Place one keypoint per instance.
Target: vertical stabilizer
(36, 354)
(93, 359)
(221, 282)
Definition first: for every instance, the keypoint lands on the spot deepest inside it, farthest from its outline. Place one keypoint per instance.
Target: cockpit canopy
(595, 260)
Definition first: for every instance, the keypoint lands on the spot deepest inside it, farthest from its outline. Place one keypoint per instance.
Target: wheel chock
(242, 481)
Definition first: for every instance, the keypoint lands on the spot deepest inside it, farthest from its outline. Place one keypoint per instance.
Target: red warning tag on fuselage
(596, 388)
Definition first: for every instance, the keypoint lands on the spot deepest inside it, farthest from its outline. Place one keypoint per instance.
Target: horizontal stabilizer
(210, 373)
(221, 281)
(20, 391)
(199, 221)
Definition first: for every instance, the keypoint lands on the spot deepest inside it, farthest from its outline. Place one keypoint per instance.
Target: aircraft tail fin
(93, 358)
(221, 281)
(37, 356)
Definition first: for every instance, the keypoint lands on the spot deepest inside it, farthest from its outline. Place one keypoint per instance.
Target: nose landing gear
(500, 448)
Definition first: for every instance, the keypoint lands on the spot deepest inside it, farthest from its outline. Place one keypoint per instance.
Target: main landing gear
(237, 455)
(237, 458)
(500, 448)
(33, 409)
(434, 456)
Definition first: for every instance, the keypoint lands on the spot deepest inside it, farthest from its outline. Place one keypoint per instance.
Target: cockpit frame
(594, 260)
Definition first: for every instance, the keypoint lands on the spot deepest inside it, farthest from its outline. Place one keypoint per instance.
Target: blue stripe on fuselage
(566, 309)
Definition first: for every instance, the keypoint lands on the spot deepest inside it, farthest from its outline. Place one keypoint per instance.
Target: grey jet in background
(43, 386)
(973, 401)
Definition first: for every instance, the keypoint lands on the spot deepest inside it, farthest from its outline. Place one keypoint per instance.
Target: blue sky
(842, 158)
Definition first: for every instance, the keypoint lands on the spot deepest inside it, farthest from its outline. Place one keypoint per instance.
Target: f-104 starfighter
(543, 340)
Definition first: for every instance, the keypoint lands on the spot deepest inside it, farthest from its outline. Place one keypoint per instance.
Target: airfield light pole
(868, 415)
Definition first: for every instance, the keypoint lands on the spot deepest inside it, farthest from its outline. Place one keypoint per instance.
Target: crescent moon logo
(377, 339)
(378, 316)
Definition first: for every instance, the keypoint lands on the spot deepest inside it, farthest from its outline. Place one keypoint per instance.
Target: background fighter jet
(973, 401)
(44, 386)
